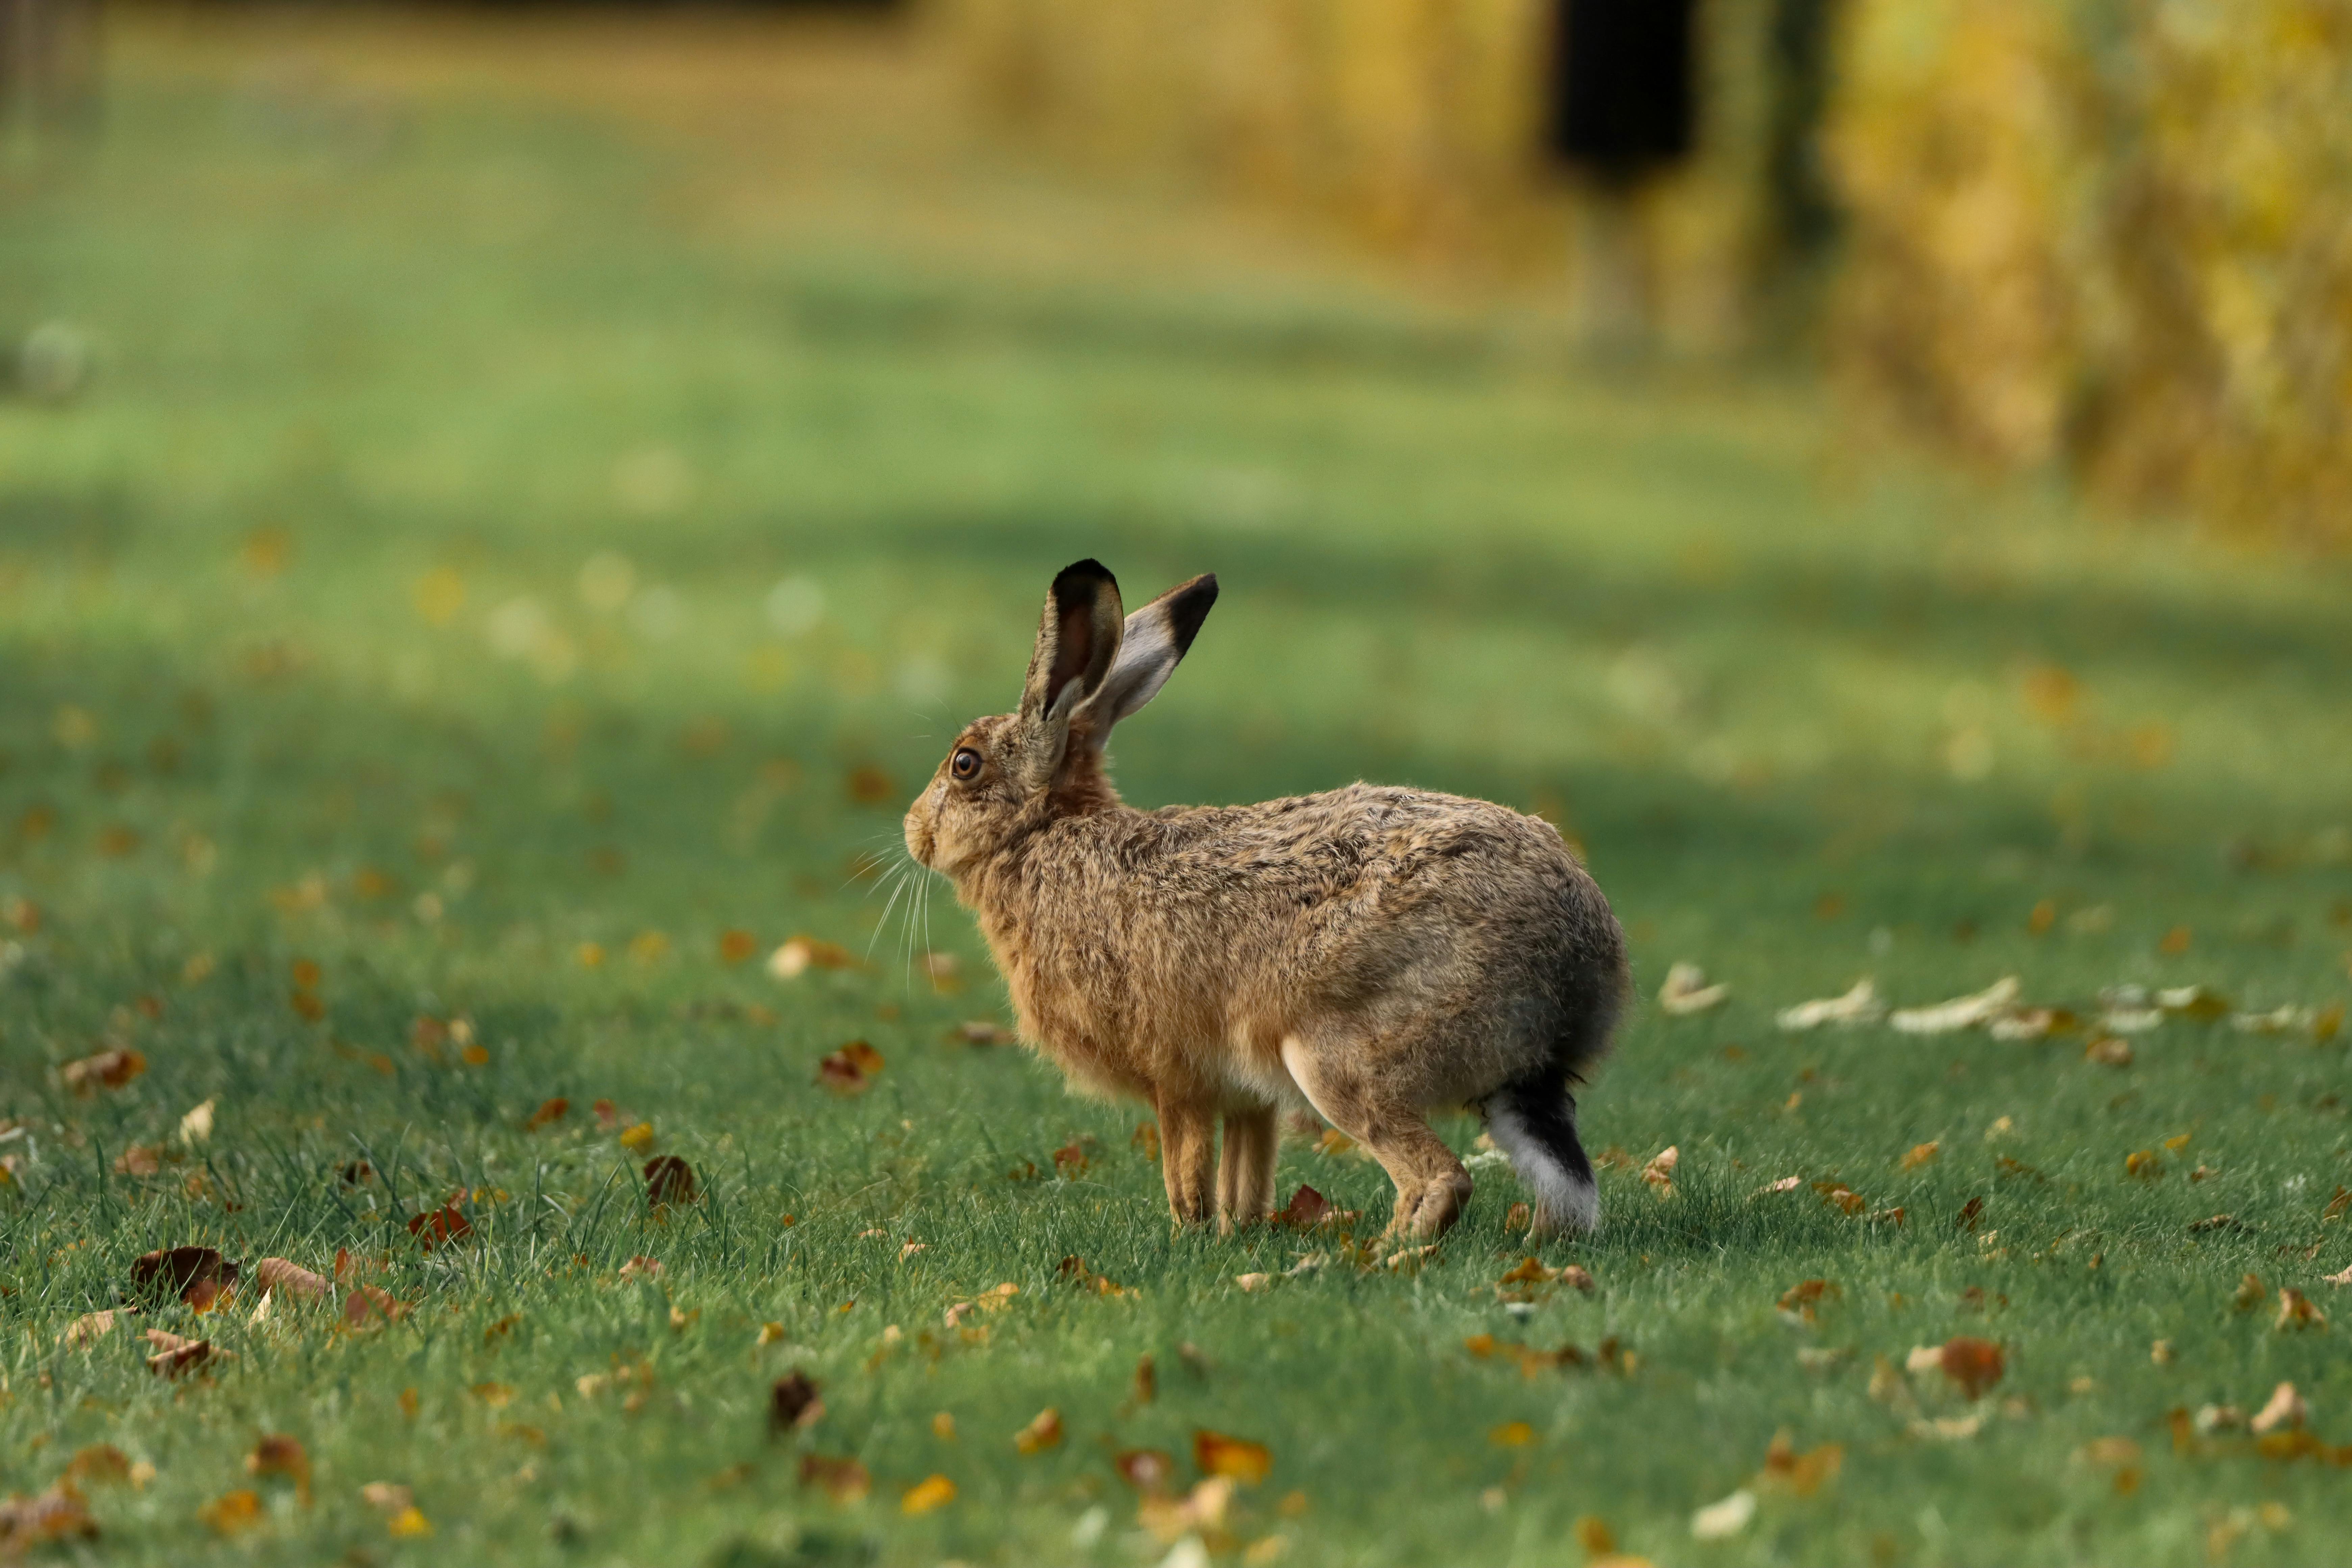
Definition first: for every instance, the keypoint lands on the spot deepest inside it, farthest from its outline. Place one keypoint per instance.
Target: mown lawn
(541, 503)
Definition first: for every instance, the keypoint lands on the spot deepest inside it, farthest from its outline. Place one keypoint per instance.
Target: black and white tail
(1534, 1121)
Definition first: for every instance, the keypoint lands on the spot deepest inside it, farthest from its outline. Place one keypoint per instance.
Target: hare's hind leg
(1432, 1186)
(1188, 1156)
(1245, 1168)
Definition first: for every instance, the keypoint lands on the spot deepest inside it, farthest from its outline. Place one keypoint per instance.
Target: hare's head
(1093, 666)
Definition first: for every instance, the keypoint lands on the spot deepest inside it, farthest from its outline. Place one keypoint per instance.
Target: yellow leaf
(1043, 1433)
(410, 1521)
(1921, 1155)
(1236, 1457)
(233, 1512)
(1513, 1434)
(932, 1491)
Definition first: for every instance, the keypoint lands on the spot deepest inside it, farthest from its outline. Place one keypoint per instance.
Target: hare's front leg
(1188, 1156)
(1246, 1169)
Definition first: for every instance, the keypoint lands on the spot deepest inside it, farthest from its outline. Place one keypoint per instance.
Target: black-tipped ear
(1156, 636)
(1078, 638)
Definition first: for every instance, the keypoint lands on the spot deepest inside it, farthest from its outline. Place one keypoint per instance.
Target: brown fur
(1377, 952)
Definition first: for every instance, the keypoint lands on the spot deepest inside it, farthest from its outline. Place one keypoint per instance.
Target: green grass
(352, 336)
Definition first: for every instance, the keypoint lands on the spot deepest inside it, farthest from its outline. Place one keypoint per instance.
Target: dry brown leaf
(1845, 1197)
(279, 1455)
(139, 1159)
(2343, 1279)
(107, 1069)
(794, 1404)
(277, 1275)
(1686, 992)
(1802, 1298)
(1146, 1379)
(2285, 1408)
(1972, 1363)
(735, 946)
(843, 1480)
(1922, 1154)
(442, 1226)
(1253, 1283)
(548, 1113)
(53, 1515)
(1804, 1473)
(2109, 1050)
(669, 1180)
(2143, 1164)
(369, 1306)
(1660, 1171)
(2297, 1310)
(1307, 1207)
(1237, 1457)
(387, 1497)
(987, 1032)
(232, 1513)
(1145, 1469)
(174, 1355)
(199, 1276)
(100, 1464)
(1071, 1161)
(849, 1070)
(2250, 1293)
(92, 1326)
(1043, 1432)
(1200, 1513)
(799, 954)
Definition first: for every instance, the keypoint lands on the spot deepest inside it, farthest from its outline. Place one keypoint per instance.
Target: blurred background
(494, 468)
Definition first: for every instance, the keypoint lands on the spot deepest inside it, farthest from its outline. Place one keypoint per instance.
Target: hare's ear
(1156, 636)
(1078, 643)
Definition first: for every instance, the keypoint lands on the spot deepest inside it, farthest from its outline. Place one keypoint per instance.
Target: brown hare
(1375, 953)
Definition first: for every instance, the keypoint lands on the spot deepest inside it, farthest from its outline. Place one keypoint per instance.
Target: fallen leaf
(1974, 1364)
(1686, 992)
(279, 1455)
(1721, 1521)
(409, 1523)
(1145, 1469)
(987, 1032)
(638, 1139)
(1804, 1473)
(1960, 1013)
(174, 1355)
(2250, 1293)
(1859, 1005)
(1070, 1160)
(1845, 1197)
(1307, 1207)
(196, 1126)
(199, 1276)
(440, 1226)
(1331, 1140)
(92, 1326)
(1043, 1432)
(1660, 1171)
(735, 946)
(641, 1268)
(275, 1274)
(2337, 1205)
(53, 1515)
(548, 1113)
(2143, 1164)
(1806, 1294)
(1922, 1154)
(794, 1404)
(800, 954)
(233, 1512)
(368, 1306)
(932, 1491)
(2297, 1310)
(1785, 1184)
(2343, 1279)
(1201, 1511)
(2111, 1050)
(2109, 1451)
(844, 1480)
(107, 1069)
(1512, 1435)
(2285, 1408)
(1519, 1217)
(669, 1180)
(1253, 1283)
(849, 1070)
(1146, 1379)
(2217, 1222)
(2175, 942)
(100, 1464)
(1244, 1461)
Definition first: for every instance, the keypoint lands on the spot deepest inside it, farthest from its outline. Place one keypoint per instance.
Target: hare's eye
(965, 764)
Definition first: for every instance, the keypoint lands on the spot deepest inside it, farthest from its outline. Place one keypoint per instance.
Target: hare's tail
(1533, 1120)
